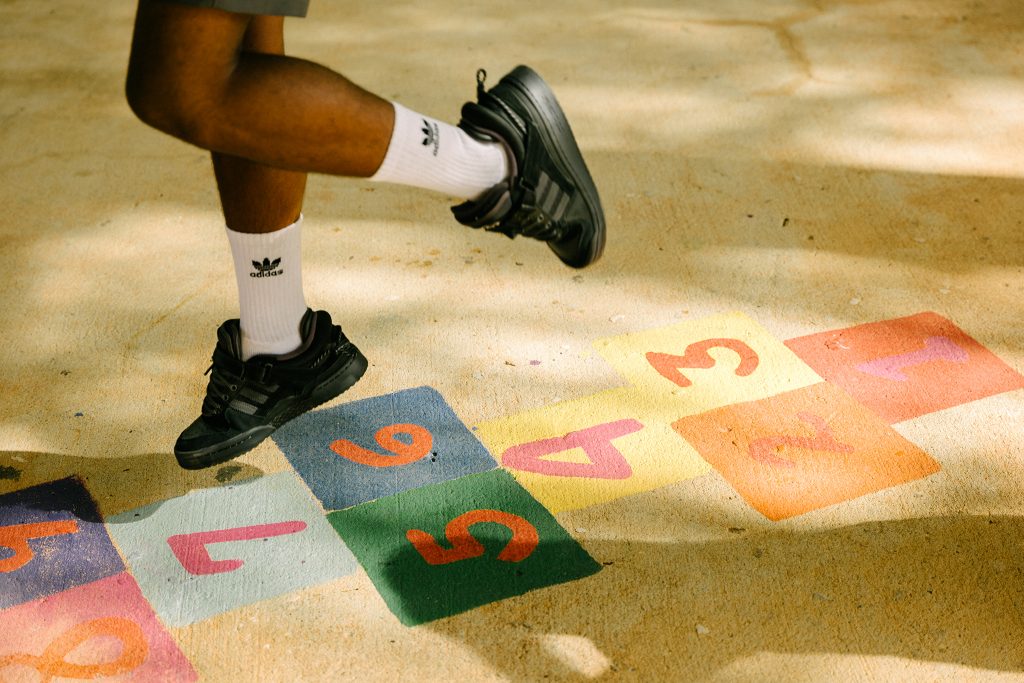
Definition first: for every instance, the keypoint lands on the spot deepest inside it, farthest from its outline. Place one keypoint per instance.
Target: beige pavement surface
(812, 164)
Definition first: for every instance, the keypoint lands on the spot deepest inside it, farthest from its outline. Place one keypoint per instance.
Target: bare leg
(255, 197)
(190, 76)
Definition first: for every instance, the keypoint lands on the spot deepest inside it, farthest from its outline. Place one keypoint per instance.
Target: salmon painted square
(804, 450)
(907, 367)
(103, 630)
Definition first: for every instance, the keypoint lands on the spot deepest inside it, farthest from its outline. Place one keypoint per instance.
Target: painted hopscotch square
(698, 365)
(451, 547)
(104, 629)
(907, 367)
(51, 539)
(215, 550)
(593, 450)
(804, 450)
(376, 447)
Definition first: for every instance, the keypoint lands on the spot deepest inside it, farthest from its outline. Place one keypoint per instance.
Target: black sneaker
(550, 195)
(246, 401)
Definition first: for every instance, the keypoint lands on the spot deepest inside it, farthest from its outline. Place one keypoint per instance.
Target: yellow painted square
(647, 455)
(706, 364)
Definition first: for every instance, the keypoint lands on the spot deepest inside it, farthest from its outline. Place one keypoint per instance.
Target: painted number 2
(464, 546)
(697, 356)
(765, 450)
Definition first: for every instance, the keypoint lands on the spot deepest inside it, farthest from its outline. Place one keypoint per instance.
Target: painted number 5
(464, 546)
(697, 356)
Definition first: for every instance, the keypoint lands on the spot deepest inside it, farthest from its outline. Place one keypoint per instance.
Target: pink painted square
(907, 367)
(101, 630)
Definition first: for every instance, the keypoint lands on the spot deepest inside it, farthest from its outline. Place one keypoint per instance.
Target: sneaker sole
(333, 387)
(532, 93)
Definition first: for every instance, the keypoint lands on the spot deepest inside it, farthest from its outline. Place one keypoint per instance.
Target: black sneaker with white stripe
(247, 400)
(550, 195)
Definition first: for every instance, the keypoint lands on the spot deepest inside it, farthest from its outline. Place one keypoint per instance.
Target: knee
(171, 102)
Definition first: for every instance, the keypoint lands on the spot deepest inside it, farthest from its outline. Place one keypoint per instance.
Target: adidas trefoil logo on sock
(431, 135)
(266, 269)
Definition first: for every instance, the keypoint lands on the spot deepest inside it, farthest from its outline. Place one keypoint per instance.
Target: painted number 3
(697, 356)
(464, 546)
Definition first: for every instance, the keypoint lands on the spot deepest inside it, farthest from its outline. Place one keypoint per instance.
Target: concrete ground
(812, 165)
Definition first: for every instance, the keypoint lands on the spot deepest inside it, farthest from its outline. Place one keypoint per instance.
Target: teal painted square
(310, 442)
(266, 567)
(417, 591)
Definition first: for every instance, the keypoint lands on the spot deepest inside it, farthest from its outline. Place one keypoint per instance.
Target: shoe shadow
(116, 484)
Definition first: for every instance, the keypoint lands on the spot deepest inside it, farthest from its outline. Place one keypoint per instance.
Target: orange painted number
(17, 537)
(53, 662)
(697, 356)
(402, 453)
(464, 546)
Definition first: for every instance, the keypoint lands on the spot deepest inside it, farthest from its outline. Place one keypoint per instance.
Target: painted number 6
(464, 546)
(402, 453)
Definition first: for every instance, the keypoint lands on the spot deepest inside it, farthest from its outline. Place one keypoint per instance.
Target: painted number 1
(464, 546)
(697, 356)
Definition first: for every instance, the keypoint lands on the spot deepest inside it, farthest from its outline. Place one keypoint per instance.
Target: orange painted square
(907, 367)
(803, 450)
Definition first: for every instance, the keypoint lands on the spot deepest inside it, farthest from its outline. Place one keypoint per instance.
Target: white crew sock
(438, 156)
(268, 270)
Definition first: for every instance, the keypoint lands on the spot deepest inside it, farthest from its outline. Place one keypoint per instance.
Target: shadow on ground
(942, 589)
(117, 484)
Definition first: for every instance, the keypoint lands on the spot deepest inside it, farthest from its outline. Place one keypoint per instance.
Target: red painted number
(464, 546)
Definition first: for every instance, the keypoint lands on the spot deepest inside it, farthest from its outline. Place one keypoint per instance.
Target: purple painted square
(370, 449)
(51, 539)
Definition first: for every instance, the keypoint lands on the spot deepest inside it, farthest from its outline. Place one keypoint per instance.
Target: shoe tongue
(308, 324)
(229, 337)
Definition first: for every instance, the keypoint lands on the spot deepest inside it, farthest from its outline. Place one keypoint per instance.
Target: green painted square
(477, 557)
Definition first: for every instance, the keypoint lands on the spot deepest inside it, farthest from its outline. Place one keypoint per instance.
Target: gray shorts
(281, 8)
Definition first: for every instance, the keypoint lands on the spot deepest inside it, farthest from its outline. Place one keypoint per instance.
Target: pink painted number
(190, 549)
(606, 461)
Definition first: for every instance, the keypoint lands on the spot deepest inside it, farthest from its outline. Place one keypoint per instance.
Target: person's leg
(218, 79)
(189, 76)
(262, 206)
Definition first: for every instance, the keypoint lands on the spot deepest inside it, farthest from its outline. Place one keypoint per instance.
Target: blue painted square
(214, 550)
(369, 449)
(51, 539)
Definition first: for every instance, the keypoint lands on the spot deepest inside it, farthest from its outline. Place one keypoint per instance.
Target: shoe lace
(220, 391)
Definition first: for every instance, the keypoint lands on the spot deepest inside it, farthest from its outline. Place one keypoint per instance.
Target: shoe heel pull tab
(481, 78)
